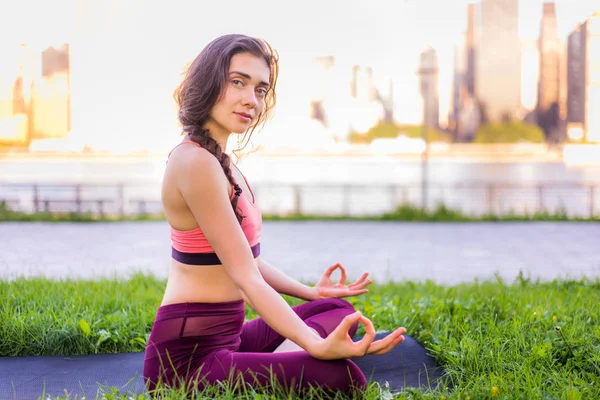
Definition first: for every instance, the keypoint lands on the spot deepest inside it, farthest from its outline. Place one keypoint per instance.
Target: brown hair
(205, 81)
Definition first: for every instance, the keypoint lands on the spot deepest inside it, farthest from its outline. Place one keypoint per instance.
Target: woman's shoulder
(191, 155)
(196, 171)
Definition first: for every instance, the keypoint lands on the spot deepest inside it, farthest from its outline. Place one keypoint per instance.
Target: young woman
(200, 336)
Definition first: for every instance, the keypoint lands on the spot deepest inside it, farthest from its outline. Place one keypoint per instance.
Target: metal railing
(474, 198)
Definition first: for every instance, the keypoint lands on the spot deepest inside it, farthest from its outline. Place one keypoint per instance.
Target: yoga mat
(29, 378)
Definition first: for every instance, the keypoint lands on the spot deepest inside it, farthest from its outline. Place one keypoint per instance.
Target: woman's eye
(262, 92)
(237, 82)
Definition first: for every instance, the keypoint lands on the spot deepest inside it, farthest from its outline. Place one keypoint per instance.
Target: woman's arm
(200, 181)
(284, 284)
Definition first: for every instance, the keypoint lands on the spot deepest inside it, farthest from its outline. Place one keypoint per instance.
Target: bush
(509, 132)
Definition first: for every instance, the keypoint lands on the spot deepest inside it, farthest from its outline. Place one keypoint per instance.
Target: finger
(366, 341)
(387, 343)
(330, 270)
(361, 279)
(359, 285)
(343, 277)
(395, 343)
(348, 321)
(357, 292)
(390, 346)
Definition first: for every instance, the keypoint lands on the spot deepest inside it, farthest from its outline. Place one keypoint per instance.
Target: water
(352, 185)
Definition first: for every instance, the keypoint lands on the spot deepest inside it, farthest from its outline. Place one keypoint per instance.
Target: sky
(136, 49)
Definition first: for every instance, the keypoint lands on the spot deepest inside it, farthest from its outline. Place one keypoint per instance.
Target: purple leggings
(203, 343)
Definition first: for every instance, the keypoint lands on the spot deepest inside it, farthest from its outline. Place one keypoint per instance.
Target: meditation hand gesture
(326, 288)
(339, 344)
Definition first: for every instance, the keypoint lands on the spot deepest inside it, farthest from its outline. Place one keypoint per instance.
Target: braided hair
(204, 82)
(201, 136)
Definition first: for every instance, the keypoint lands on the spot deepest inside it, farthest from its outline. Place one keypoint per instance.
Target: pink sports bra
(192, 247)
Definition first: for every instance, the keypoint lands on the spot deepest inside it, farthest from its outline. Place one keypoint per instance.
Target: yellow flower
(494, 391)
(554, 319)
(443, 398)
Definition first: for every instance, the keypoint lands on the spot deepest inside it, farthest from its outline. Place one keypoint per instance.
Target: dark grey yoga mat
(28, 378)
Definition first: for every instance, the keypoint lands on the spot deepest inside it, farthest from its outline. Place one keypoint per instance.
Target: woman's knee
(334, 303)
(327, 314)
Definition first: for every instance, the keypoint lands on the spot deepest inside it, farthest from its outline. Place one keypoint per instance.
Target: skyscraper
(547, 108)
(548, 45)
(428, 65)
(464, 118)
(470, 50)
(363, 84)
(498, 58)
(52, 111)
(583, 79)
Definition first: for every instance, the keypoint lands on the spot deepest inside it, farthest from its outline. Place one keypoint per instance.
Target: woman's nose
(250, 98)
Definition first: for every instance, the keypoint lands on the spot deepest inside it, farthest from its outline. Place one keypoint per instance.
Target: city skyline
(385, 36)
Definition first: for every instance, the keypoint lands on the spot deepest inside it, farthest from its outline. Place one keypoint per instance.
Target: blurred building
(429, 77)
(322, 90)
(387, 101)
(52, 110)
(464, 117)
(364, 91)
(583, 81)
(562, 79)
(547, 107)
(16, 84)
(470, 50)
(34, 95)
(548, 45)
(368, 105)
(498, 58)
(363, 84)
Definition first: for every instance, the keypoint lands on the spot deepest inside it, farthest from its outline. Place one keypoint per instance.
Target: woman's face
(243, 98)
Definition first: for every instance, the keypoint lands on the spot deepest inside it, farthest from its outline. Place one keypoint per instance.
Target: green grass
(485, 334)
(407, 212)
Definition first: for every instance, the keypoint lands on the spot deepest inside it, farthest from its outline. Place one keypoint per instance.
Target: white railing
(474, 198)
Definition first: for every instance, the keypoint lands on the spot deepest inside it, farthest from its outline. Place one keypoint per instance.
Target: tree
(391, 131)
(509, 132)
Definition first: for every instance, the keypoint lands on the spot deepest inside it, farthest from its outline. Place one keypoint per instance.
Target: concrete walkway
(444, 253)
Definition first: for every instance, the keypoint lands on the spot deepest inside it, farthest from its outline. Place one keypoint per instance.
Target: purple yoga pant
(198, 344)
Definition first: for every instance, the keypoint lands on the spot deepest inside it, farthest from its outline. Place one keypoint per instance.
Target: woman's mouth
(244, 117)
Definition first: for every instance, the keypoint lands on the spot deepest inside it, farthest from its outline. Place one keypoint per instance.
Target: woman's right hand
(339, 344)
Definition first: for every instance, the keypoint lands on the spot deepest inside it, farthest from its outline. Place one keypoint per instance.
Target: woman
(199, 336)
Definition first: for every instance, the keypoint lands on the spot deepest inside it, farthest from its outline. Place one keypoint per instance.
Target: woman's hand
(339, 344)
(325, 288)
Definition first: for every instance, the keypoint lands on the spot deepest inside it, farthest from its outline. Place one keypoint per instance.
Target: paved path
(445, 253)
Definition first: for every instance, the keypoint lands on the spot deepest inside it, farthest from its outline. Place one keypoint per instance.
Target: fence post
(490, 198)
(36, 198)
(346, 199)
(101, 208)
(592, 201)
(297, 199)
(541, 198)
(78, 197)
(142, 207)
(121, 191)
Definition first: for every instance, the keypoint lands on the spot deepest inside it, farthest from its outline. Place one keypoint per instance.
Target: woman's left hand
(325, 288)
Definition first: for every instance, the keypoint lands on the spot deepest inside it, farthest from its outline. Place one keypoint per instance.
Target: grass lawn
(407, 212)
(517, 340)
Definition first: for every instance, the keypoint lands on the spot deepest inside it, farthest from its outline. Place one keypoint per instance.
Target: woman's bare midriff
(199, 284)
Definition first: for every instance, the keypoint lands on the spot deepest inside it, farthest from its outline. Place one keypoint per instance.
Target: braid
(201, 136)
